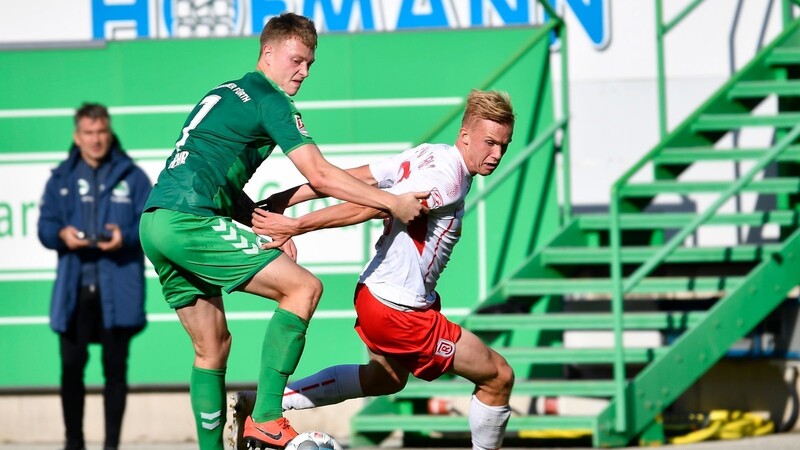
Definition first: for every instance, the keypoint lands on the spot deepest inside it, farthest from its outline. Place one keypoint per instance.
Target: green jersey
(224, 140)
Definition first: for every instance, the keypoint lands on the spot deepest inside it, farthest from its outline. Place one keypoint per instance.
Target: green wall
(35, 124)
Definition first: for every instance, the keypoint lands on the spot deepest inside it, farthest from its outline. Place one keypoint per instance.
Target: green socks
(283, 345)
(207, 391)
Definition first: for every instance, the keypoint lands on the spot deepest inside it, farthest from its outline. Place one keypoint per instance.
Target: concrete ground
(785, 441)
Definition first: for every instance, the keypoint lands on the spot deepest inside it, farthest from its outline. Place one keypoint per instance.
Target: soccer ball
(313, 440)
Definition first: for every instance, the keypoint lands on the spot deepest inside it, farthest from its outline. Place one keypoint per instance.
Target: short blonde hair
(289, 25)
(489, 105)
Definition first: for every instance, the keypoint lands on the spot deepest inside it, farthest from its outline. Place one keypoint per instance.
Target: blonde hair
(289, 25)
(488, 105)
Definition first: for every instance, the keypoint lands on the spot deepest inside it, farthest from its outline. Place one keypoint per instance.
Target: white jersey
(411, 257)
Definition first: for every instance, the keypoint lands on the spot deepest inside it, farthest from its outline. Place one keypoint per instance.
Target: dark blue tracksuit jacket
(120, 274)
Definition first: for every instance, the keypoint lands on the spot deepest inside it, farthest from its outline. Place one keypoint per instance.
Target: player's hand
(411, 205)
(276, 203)
(113, 244)
(70, 236)
(277, 226)
(290, 249)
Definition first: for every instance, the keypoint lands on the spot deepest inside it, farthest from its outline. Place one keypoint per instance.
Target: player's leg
(197, 257)
(204, 321)
(381, 376)
(493, 377)
(297, 292)
(182, 246)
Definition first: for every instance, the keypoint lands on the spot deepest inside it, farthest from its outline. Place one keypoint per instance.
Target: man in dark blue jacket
(90, 215)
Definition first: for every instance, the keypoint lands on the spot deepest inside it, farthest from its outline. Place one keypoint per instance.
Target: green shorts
(197, 256)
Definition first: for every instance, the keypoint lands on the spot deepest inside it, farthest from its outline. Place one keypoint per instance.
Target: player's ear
(463, 136)
(266, 51)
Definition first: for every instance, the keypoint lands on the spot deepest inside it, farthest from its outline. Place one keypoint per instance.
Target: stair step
(688, 155)
(560, 355)
(784, 56)
(582, 321)
(423, 423)
(602, 255)
(563, 286)
(785, 185)
(588, 388)
(660, 221)
(751, 89)
(725, 122)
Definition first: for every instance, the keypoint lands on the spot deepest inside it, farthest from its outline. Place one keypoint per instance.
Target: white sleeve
(387, 170)
(411, 174)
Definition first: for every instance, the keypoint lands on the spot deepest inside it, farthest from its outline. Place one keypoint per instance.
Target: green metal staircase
(636, 268)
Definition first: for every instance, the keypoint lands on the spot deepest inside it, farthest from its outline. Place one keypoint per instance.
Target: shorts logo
(445, 348)
(230, 234)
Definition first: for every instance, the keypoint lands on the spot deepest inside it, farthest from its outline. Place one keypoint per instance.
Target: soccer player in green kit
(188, 233)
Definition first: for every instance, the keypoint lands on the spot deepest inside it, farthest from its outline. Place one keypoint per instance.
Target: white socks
(487, 424)
(326, 387)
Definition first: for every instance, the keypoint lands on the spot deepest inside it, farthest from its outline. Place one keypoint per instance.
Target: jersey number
(205, 107)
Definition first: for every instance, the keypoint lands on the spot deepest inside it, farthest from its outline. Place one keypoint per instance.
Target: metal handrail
(619, 289)
(788, 13)
(661, 31)
(634, 279)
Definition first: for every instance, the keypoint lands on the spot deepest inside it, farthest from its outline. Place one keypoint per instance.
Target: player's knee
(376, 380)
(505, 376)
(503, 380)
(214, 351)
(225, 344)
(312, 290)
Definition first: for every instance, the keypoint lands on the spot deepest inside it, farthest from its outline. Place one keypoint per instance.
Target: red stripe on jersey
(417, 230)
(436, 248)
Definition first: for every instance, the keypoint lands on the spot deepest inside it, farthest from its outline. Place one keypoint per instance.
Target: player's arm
(278, 202)
(330, 180)
(281, 228)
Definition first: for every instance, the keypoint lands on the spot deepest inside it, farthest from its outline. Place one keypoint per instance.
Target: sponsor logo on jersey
(445, 348)
(300, 125)
(427, 162)
(435, 200)
(179, 159)
(236, 90)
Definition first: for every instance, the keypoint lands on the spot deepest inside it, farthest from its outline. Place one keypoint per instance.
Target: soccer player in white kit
(398, 308)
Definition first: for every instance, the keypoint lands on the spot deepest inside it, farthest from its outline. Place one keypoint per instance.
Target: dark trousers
(85, 328)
